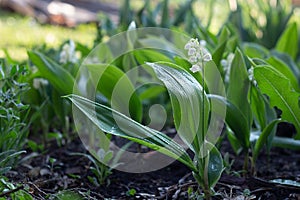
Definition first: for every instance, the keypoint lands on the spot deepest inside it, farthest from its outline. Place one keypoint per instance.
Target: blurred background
(25, 24)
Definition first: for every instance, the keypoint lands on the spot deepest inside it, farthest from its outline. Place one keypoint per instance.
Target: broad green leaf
(239, 84)
(263, 137)
(288, 42)
(288, 61)
(187, 102)
(210, 167)
(286, 182)
(264, 114)
(61, 106)
(60, 78)
(285, 70)
(116, 86)
(271, 116)
(215, 166)
(235, 144)
(152, 92)
(281, 94)
(258, 106)
(254, 50)
(115, 123)
(165, 15)
(6, 156)
(286, 143)
(220, 49)
(235, 119)
(237, 95)
(224, 35)
(148, 55)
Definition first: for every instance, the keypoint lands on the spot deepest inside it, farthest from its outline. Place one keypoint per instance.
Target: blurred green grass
(19, 34)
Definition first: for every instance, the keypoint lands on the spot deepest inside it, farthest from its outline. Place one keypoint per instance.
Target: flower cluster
(68, 53)
(198, 54)
(226, 63)
(39, 82)
(251, 76)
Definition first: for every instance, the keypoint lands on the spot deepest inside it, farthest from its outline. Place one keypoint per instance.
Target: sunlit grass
(18, 34)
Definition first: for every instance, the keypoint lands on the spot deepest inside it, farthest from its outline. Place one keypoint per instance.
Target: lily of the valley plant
(191, 111)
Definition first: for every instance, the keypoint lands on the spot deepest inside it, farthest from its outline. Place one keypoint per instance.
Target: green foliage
(52, 75)
(265, 25)
(114, 81)
(66, 195)
(147, 15)
(281, 94)
(251, 116)
(51, 70)
(207, 168)
(237, 94)
(11, 191)
(13, 127)
(288, 42)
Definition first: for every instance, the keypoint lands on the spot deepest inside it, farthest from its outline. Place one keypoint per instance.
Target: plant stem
(203, 105)
(207, 192)
(246, 162)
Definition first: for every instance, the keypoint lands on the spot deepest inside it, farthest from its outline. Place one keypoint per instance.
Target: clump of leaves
(206, 168)
(265, 25)
(9, 190)
(13, 129)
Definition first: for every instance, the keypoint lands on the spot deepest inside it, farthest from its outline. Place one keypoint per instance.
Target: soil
(45, 176)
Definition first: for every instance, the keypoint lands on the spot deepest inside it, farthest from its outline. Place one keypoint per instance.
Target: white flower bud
(191, 51)
(132, 26)
(68, 53)
(202, 43)
(195, 68)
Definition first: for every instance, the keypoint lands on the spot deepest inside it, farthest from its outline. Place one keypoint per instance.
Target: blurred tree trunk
(64, 12)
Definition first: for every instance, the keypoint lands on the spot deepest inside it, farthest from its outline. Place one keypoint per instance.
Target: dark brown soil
(45, 177)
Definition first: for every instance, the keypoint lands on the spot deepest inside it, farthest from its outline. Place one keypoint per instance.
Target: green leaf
(285, 70)
(60, 78)
(215, 166)
(147, 55)
(182, 11)
(287, 182)
(186, 99)
(237, 95)
(220, 49)
(239, 84)
(4, 170)
(224, 35)
(286, 143)
(281, 94)
(235, 119)
(288, 42)
(210, 167)
(263, 137)
(258, 106)
(254, 50)
(165, 15)
(235, 144)
(152, 92)
(60, 106)
(105, 119)
(288, 61)
(114, 81)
